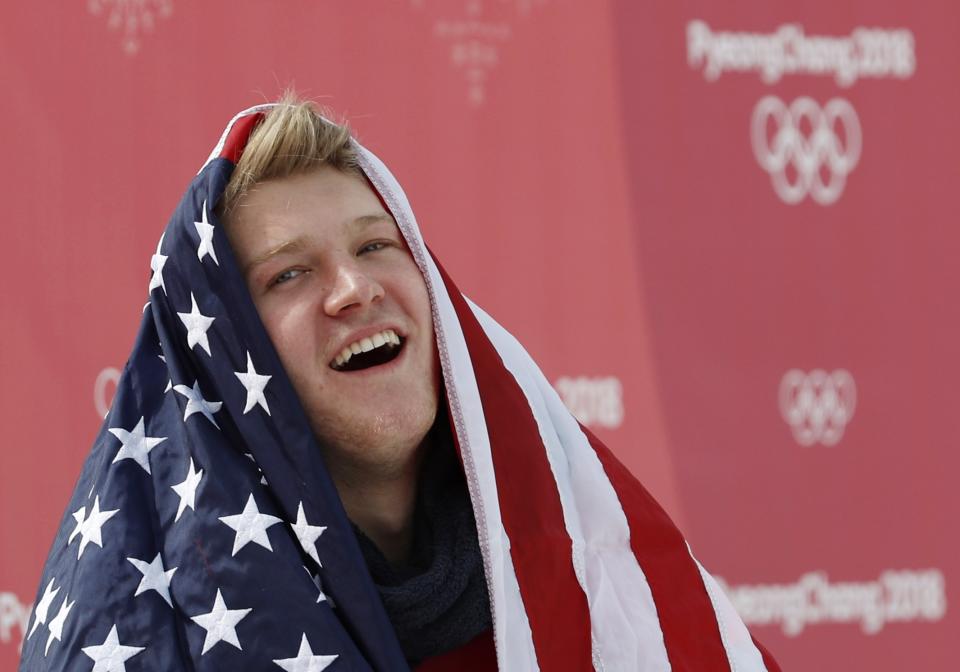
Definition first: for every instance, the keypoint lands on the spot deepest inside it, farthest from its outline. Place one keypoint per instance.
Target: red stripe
(687, 618)
(768, 661)
(541, 549)
(238, 136)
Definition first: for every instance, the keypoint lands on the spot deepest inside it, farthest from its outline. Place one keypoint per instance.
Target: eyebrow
(300, 243)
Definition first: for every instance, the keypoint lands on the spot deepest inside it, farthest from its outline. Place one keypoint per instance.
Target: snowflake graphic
(475, 36)
(132, 17)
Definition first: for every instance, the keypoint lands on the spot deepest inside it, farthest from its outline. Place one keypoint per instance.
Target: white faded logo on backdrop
(103, 388)
(13, 614)
(817, 405)
(131, 18)
(896, 596)
(808, 150)
(866, 53)
(476, 35)
(596, 402)
(474, 29)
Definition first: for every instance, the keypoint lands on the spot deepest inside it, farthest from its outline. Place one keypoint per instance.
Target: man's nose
(352, 287)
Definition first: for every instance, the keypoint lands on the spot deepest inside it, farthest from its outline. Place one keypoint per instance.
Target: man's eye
(373, 247)
(288, 274)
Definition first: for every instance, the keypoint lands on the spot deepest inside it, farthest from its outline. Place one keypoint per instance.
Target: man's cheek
(294, 346)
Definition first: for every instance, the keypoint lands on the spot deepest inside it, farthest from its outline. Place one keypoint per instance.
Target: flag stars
(307, 534)
(89, 527)
(263, 479)
(58, 622)
(315, 578)
(220, 624)
(205, 231)
(135, 444)
(305, 661)
(250, 525)
(79, 515)
(254, 383)
(43, 606)
(156, 265)
(197, 404)
(187, 490)
(155, 577)
(111, 656)
(197, 325)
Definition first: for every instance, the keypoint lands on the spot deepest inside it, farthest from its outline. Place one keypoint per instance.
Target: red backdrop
(727, 234)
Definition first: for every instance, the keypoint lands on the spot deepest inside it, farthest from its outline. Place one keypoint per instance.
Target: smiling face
(331, 277)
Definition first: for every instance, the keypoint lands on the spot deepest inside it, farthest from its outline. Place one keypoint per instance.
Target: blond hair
(292, 138)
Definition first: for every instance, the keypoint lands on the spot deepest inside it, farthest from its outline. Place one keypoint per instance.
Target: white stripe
(223, 137)
(512, 628)
(625, 628)
(742, 653)
(512, 634)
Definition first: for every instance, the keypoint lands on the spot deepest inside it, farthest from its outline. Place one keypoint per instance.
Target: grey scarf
(438, 601)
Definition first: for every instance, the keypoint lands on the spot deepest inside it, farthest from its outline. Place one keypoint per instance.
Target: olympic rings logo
(808, 139)
(817, 405)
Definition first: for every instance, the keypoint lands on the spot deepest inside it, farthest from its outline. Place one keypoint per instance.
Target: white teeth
(366, 345)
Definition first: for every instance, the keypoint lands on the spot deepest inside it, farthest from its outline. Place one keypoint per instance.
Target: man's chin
(386, 447)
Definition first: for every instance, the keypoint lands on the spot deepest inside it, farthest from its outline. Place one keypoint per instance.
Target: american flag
(205, 533)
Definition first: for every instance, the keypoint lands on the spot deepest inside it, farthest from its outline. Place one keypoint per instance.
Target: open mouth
(368, 352)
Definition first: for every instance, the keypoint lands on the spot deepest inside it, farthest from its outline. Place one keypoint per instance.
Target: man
(333, 460)
(347, 309)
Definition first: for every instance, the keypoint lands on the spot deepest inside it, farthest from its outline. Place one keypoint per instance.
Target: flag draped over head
(206, 534)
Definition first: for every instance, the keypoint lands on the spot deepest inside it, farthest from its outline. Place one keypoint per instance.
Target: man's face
(328, 269)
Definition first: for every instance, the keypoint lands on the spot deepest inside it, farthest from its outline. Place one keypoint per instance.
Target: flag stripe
(687, 619)
(768, 660)
(532, 514)
(690, 629)
(235, 135)
(512, 634)
(625, 629)
(741, 652)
